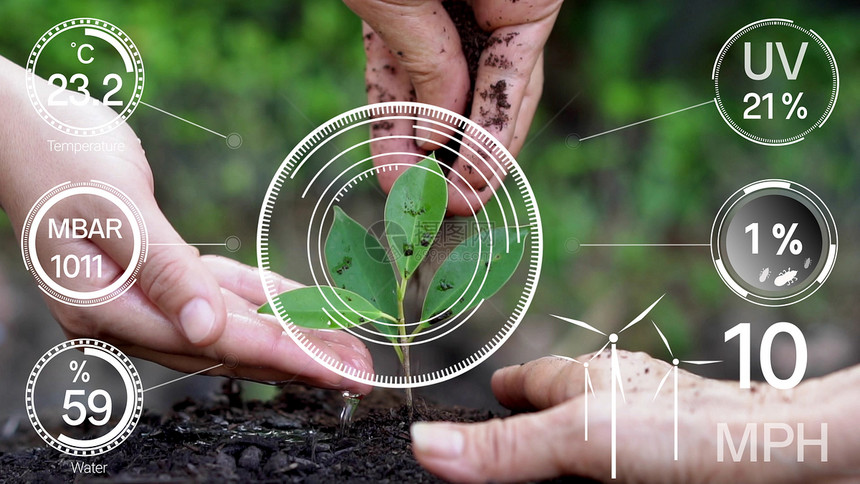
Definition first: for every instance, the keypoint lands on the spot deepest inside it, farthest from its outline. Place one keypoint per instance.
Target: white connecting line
(201, 243)
(183, 377)
(204, 128)
(644, 245)
(646, 120)
(634, 124)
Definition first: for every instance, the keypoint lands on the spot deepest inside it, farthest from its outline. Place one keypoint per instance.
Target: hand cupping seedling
(370, 283)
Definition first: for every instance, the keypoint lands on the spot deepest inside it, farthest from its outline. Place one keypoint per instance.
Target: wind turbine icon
(587, 383)
(674, 369)
(614, 369)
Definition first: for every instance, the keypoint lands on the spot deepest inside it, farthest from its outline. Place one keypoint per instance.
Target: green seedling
(372, 282)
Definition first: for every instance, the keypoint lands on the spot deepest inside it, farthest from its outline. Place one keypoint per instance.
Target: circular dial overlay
(774, 242)
(84, 397)
(440, 294)
(95, 60)
(63, 249)
(775, 82)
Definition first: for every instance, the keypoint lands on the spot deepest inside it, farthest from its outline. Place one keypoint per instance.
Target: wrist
(18, 133)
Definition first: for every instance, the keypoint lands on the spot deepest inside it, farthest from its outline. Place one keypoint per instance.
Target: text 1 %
(795, 246)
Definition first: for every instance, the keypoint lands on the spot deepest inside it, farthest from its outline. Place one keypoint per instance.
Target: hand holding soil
(483, 60)
(551, 442)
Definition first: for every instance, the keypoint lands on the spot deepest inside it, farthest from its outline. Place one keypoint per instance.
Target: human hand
(551, 442)
(414, 53)
(186, 312)
(251, 346)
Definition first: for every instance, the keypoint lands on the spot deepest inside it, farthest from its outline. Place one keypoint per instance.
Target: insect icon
(807, 263)
(785, 278)
(764, 274)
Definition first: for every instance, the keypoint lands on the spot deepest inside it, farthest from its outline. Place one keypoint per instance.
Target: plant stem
(389, 317)
(407, 371)
(399, 353)
(403, 352)
(396, 346)
(418, 329)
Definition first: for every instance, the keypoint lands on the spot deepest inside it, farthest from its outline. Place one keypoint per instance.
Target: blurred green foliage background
(274, 70)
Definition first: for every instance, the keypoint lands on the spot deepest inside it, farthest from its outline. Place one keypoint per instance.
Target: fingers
(528, 108)
(245, 369)
(550, 381)
(495, 15)
(257, 342)
(393, 139)
(464, 199)
(520, 448)
(393, 142)
(504, 75)
(538, 384)
(175, 279)
(243, 280)
(173, 276)
(415, 43)
(425, 42)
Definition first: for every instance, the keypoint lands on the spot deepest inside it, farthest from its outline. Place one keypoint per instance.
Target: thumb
(524, 447)
(424, 40)
(175, 279)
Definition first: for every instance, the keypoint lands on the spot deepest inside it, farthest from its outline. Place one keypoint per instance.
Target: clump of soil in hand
(497, 117)
(474, 41)
(473, 38)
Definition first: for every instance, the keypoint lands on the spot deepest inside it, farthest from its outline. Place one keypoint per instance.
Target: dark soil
(496, 116)
(474, 41)
(472, 37)
(293, 438)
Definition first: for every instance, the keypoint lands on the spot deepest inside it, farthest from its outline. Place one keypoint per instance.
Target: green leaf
(310, 307)
(357, 262)
(413, 213)
(451, 287)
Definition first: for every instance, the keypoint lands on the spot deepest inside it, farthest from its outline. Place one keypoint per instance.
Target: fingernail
(424, 134)
(358, 348)
(197, 319)
(358, 364)
(437, 440)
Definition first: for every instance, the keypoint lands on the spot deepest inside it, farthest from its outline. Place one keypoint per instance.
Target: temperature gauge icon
(774, 242)
(97, 62)
(84, 397)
